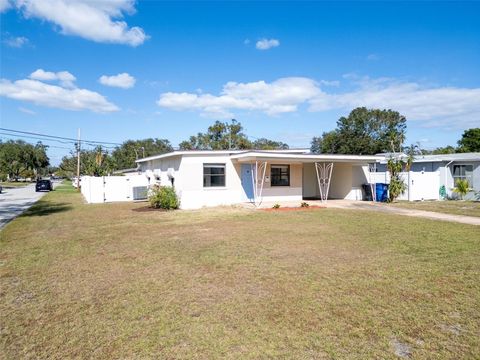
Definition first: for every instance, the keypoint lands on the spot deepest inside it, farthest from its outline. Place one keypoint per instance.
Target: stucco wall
(191, 191)
(346, 181)
(284, 193)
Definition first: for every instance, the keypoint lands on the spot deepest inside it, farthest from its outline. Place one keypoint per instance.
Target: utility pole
(78, 161)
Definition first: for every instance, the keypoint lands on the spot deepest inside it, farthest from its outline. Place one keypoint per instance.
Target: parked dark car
(43, 185)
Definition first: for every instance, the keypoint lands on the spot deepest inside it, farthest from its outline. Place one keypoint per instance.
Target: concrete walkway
(368, 205)
(385, 208)
(14, 201)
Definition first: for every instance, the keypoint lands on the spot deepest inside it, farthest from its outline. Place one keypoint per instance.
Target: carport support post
(324, 175)
(257, 193)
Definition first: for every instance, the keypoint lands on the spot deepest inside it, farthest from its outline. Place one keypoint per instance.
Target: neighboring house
(131, 171)
(443, 170)
(210, 178)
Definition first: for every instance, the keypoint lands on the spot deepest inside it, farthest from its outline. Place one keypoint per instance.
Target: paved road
(15, 201)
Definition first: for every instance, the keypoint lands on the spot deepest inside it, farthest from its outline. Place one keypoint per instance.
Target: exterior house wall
(346, 182)
(284, 193)
(449, 185)
(158, 171)
(190, 185)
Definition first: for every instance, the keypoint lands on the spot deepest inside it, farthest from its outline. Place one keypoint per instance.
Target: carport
(322, 176)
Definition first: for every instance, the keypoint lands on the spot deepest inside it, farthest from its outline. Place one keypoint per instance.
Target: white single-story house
(440, 170)
(226, 177)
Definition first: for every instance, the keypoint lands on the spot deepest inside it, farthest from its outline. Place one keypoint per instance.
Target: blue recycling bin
(381, 192)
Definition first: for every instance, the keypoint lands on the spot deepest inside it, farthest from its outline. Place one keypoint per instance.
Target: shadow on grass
(43, 208)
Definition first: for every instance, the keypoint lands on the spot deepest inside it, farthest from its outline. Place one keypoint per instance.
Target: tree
(397, 186)
(219, 136)
(266, 144)
(364, 131)
(444, 150)
(124, 156)
(96, 162)
(228, 136)
(19, 158)
(470, 141)
(325, 144)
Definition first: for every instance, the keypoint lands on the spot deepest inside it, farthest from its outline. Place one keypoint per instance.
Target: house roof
(437, 158)
(217, 152)
(294, 155)
(448, 157)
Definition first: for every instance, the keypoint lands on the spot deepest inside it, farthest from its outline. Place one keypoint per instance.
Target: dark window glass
(280, 175)
(463, 172)
(213, 175)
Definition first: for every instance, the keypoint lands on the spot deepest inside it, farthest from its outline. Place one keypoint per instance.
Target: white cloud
(27, 111)
(334, 83)
(265, 44)
(16, 42)
(123, 80)
(100, 20)
(4, 5)
(434, 106)
(55, 96)
(64, 77)
(373, 57)
(281, 96)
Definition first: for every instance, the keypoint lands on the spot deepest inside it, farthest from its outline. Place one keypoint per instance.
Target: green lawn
(113, 281)
(12, 184)
(469, 208)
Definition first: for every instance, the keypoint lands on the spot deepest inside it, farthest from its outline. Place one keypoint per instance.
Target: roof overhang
(304, 158)
(217, 153)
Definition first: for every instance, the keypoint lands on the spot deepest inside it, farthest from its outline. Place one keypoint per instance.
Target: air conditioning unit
(140, 192)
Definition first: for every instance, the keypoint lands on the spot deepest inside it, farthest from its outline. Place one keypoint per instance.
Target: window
(463, 172)
(280, 175)
(213, 175)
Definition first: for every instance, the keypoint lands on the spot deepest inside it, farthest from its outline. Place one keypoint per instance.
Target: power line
(50, 146)
(36, 138)
(59, 137)
(60, 141)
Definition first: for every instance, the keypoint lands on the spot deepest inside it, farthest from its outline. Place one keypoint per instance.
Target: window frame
(280, 175)
(469, 177)
(224, 175)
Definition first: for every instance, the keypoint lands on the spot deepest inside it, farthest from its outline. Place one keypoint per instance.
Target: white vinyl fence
(420, 185)
(114, 188)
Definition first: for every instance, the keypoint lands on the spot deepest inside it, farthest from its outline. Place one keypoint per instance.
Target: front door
(247, 180)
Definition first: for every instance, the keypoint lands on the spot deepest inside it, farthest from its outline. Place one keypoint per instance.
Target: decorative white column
(258, 179)
(324, 176)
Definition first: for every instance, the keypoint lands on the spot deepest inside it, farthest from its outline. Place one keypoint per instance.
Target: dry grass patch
(455, 207)
(106, 281)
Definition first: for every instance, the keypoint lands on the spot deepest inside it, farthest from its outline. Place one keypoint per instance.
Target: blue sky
(285, 70)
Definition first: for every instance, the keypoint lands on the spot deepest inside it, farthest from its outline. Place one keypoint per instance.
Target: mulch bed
(311, 207)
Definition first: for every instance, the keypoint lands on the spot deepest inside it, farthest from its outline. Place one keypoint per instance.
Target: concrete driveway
(375, 206)
(380, 207)
(15, 201)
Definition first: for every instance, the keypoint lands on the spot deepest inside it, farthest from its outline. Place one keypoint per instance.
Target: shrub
(304, 205)
(276, 206)
(397, 186)
(163, 197)
(461, 188)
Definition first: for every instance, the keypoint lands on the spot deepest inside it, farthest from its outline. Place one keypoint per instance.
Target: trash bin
(367, 189)
(381, 192)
